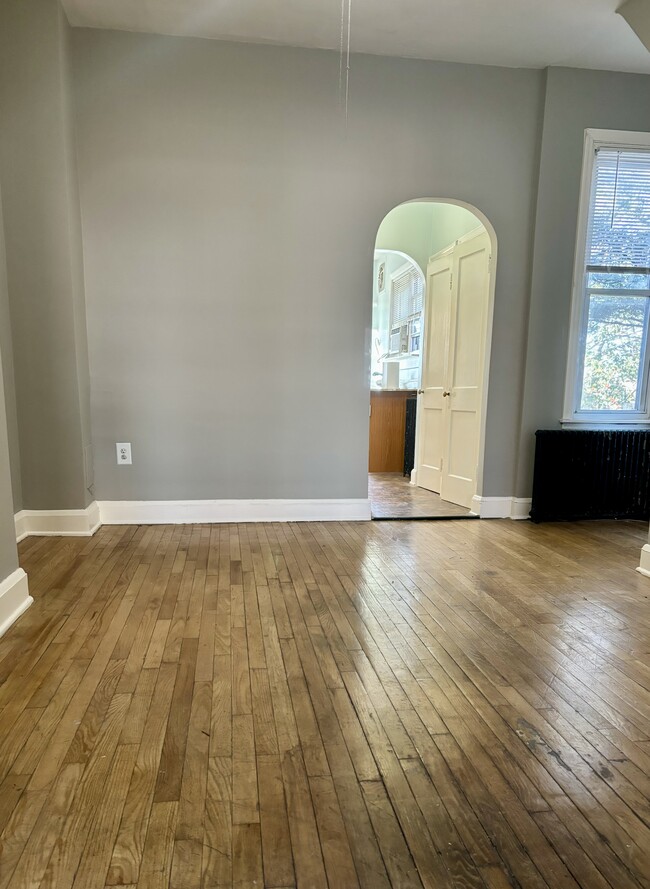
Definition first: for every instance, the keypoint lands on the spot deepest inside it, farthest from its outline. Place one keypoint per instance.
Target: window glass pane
(616, 281)
(613, 352)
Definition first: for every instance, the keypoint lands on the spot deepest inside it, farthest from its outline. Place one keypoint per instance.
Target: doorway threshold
(393, 497)
(424, 518)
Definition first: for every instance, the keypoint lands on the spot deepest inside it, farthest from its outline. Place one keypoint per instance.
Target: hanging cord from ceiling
(344, 56)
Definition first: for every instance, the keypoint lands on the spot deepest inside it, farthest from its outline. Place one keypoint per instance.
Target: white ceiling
(517, 33)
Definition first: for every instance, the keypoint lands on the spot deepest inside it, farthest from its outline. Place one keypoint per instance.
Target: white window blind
(407, 296)
(618, 236)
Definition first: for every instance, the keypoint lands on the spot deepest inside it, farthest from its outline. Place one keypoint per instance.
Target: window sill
(605, 424)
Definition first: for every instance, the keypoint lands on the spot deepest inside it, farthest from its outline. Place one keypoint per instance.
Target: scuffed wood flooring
(461, 704)
(392, 496)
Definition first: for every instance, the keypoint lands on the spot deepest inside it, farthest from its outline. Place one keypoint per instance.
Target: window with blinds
(619, 230)
(612, 354)
(406, 303)
(407, 296)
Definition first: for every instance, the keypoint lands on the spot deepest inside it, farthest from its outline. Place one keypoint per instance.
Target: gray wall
(229, 220)
(7, 368)
(575, 100)
(44, 257)
(229, 224)
(8, 552)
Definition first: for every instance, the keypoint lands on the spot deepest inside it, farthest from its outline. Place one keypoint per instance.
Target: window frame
(572, 416)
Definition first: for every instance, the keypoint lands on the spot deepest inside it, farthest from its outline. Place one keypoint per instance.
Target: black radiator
(591, 475)
(409, 434)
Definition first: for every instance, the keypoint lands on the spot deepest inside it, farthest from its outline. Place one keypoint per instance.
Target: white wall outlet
(124, 453)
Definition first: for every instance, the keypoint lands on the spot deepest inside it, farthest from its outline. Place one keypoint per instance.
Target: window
(406, 301)
(607, 381)
(407, 295)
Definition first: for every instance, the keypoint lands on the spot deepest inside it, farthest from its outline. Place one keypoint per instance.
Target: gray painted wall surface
(575, 100)
(78, 290)
(7, 367)
(8, 552)
(43, 252)
(229, 222)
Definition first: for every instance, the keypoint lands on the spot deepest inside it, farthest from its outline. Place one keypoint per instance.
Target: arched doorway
(433, 296)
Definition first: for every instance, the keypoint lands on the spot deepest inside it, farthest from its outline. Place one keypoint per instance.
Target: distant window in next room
(397, 323)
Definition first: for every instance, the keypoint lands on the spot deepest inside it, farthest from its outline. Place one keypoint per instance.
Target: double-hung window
(607, 382)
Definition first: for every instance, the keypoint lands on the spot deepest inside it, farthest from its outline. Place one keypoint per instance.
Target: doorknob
(446, 394)
(420, 391)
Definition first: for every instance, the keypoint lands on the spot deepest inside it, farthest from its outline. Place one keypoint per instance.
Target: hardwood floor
(392, 496)
(444, 704)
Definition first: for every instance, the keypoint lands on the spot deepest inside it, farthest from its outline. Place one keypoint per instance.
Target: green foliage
(613, 352)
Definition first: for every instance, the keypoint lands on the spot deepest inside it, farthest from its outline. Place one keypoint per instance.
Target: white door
(451, 443)
(431, 405)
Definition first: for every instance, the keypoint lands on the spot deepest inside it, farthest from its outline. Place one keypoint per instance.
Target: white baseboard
(501, 507)
(57, 523)
(14, 598)
(492, 507)
(182, 512)
(84, 522)
(521, 508)
(644, 567)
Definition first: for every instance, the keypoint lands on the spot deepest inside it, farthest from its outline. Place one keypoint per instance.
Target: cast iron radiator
(591, 475)
(409, 435)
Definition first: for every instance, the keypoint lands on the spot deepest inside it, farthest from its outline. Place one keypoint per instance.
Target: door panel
(432, 405)
(469, 299)
(461, 458)
(452, 369)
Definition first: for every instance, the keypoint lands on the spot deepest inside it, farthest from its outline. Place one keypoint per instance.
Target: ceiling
(516, 33)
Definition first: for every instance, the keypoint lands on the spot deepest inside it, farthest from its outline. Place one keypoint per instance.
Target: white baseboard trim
(521, 507)
(14, 598)
(492, 507)
(84, 522)
(58, 522)
(501, 507)
(644, 567)
(190, 512)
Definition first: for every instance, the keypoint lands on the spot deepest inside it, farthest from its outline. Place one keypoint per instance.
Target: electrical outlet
(124, 453)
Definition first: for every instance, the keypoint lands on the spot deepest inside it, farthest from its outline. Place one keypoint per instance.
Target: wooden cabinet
(387, 427)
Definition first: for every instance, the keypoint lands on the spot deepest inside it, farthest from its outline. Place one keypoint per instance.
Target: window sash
(618, 232)
(620, 269)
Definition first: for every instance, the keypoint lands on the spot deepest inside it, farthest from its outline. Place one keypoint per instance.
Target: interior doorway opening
(432, 301)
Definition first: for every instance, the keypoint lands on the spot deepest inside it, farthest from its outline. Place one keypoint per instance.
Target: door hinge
(451, 281)
(489, 264)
